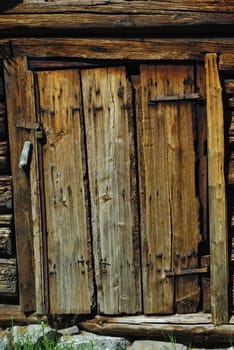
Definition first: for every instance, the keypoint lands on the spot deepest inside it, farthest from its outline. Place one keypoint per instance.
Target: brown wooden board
(20, 105)
(167, 186)
(64, 173)
(217, 194)
(107, 99)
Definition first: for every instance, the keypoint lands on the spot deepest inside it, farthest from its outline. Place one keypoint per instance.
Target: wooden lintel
(120, 49)
(216, 194)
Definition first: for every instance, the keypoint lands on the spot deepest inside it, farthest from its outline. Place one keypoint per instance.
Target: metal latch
(32, 126)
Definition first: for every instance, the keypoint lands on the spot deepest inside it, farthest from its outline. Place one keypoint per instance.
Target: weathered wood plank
(20, 105)
(201, 125)
(168, 197)
(115, 22)
(127, 48)
(109, 123)
(6, 243)
(5, 194)
(4, 160)
(158, 289)
(69, 259)
(8, 278)
(216, 191)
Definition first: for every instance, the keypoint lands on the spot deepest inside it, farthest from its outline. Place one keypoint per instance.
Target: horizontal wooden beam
(129, 21)
(191, 328)
(121, 49)
(119, 6)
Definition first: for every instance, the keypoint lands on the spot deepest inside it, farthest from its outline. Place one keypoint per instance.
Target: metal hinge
(196, 97)
(188, 271)
(32, 126)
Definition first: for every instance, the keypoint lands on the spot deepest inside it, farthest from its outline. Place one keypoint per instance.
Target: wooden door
(113, 215)
(170, 227)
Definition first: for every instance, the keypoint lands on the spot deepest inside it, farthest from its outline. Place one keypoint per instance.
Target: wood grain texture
(8, 277)
(64, 173)
(6, 242)
(167, 187)
(127, 48)
(201, 138)
(20, 105)
(216, 191)
(108, 111)
(199, 327)
(87, 22)
(197, 5)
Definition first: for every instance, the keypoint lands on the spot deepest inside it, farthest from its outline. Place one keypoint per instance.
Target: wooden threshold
(186, 328)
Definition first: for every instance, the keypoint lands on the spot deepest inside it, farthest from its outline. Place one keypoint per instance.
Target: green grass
(46, 344)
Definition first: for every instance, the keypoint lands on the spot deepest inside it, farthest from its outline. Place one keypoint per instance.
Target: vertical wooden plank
(201, 122)
(169, 206)
(185, 213)
(20, 105)
(216, 194)
(64, 173)
(158, 289)
(112, 173)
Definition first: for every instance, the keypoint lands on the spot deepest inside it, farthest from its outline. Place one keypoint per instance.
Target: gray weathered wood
(8, 277)
(20, 105)
(69, 258)
(107, 98)
(217, 194)
(6, 243)
(5, 194)
(168, 191)
(6, 220)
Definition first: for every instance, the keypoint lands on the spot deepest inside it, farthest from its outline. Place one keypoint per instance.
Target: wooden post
(216, 193)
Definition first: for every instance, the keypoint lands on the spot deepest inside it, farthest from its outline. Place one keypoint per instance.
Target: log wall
(8, 270)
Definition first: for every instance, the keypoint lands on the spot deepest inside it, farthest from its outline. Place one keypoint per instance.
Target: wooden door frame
(152, 49)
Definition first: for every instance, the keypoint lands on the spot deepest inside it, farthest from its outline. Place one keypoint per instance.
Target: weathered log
(5, 194)
(231, 131)
(6, 242)
(199, 327)
(6, 220)
(2, 117)
(231, 169)
(8, 277)
(229, 86)
(4, 161)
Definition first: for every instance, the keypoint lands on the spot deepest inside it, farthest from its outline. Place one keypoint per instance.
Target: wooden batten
(216, 193)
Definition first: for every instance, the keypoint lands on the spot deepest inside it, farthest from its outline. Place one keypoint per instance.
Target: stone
(69, 331)
(32, 334)
(86, 340)
(156, 345)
